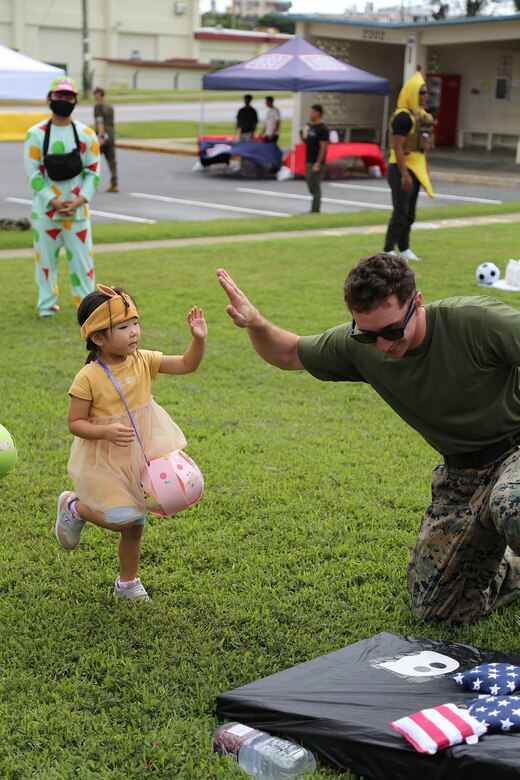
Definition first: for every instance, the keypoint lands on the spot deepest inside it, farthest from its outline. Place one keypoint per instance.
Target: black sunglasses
(423, 92)
(390, 334)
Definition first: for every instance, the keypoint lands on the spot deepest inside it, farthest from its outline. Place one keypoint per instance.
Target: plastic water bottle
(511, 272)
(261, 755)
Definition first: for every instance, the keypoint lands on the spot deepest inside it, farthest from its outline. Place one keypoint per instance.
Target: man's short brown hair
(374, 279)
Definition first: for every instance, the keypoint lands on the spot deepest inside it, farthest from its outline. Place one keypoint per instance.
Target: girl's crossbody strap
(116, 385)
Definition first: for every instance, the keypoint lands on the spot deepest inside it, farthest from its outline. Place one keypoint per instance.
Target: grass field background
(190, 130)
(117, 232)
(299, 545)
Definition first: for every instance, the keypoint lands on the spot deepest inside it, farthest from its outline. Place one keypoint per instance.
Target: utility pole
(86, 52)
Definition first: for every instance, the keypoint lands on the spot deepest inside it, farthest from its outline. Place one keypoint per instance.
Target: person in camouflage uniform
(104, 120)
(450, 370)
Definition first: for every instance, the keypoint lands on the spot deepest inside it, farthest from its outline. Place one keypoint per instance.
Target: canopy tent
(22, 78)
(296, 66)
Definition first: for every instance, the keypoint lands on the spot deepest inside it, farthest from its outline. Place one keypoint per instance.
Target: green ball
(8, 452)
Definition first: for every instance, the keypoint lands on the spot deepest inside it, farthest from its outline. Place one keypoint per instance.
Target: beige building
(210, 48)
(129, 30)
(484, 52)
(157, 44)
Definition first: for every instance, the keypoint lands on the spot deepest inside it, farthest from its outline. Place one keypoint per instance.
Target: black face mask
(62, 107)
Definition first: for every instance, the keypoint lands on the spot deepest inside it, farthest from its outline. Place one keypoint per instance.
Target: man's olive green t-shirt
(459, 389)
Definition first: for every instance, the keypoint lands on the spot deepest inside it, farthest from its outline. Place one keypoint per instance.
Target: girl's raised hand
(197, 323)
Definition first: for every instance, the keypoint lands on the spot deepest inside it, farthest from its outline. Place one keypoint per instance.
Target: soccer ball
(487, 274)
(8, 452)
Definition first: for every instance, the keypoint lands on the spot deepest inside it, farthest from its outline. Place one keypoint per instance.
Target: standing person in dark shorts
(316, 137)
(247, 120)
(104, 119)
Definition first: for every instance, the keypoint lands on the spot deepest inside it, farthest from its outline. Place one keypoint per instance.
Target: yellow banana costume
(408, 101)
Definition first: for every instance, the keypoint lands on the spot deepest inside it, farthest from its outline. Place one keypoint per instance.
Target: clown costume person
(61, 159)
(410, 136)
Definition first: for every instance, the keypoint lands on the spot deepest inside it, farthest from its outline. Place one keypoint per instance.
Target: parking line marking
(274, 194)
(204, 204)
(421, 194)
(123, 217)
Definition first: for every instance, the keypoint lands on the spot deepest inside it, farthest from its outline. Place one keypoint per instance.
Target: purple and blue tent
(296, 66)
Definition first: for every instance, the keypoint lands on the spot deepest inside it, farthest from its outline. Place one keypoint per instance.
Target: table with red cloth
(370, 154)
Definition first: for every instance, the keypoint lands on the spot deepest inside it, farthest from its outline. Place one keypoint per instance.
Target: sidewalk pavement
(465, 166)
(176, 243)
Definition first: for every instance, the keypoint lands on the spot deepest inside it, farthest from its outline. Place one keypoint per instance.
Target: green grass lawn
(128, 95)
(163, 128)
(299, 545)
(121, 95)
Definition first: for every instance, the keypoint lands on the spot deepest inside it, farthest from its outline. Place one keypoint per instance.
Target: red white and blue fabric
(439, 727)
(497, 713)
(494, 679)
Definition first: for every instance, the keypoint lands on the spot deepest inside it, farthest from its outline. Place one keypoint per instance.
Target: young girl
(105, 459)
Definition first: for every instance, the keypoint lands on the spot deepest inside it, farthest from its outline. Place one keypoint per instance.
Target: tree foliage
(278, 23)
(469, 8)
(227, 21)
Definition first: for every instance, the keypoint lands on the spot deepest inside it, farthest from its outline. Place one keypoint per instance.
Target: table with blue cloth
(267, 156)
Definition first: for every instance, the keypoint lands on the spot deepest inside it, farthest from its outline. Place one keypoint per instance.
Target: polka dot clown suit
(51, 229)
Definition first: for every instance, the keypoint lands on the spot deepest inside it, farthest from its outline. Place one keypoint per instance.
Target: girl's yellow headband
(118, 308)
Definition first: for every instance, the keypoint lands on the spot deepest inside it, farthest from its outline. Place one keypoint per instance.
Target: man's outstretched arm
(274, 345)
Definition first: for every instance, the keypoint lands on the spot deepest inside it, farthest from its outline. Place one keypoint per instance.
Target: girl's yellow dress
(105, 475)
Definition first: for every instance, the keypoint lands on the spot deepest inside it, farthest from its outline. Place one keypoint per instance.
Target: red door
(443, 104)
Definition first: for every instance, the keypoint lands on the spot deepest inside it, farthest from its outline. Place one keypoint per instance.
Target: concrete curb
(178, 243)
(474, 178)
(161, 148)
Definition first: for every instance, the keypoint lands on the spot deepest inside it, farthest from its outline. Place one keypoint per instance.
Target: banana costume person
(411, 136)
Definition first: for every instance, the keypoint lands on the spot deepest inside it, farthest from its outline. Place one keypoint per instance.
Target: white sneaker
(409, 254)
(134, 592)
(68, 527)
(391, 252)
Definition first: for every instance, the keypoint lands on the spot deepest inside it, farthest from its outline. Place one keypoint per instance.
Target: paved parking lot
(157, 187)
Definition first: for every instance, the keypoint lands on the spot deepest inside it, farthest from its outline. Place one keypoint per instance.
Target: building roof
(229, 34)
(396, 25)
(171, 63)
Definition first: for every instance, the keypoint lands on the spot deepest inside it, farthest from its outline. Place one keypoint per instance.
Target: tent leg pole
(202, 105)
(297, 119)
(385, 123)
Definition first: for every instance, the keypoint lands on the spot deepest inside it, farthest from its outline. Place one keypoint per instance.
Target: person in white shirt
(272, 122)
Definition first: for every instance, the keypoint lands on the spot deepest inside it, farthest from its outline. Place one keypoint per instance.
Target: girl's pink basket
(171, 483)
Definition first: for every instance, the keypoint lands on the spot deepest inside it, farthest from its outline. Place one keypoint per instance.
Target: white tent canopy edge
(24, 78)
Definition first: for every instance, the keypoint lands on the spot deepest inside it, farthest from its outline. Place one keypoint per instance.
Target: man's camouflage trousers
(466, 561)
